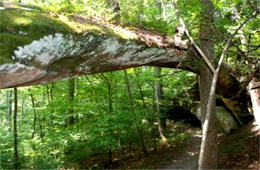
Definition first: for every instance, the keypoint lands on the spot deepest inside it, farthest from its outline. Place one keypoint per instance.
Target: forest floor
(239, 150)
(180, 153)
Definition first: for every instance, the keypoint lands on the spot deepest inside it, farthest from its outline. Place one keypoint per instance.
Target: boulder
(225, 120)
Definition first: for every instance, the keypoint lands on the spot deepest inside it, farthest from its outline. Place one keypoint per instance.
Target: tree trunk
(163, 6)
(154, 132)
(15, 129)
(158, 96)
(50, 104)
(208, 155)
(140, 90)
(41, 126)
(71, 92)
(22, 109)
(254, 91)
(141, 13)
(34, 115)
(110, 110)
(139, 131)
(9, 110)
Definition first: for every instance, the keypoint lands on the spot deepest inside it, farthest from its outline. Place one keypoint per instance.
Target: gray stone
(224, 118)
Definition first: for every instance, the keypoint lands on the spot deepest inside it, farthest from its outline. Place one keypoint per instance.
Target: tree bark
(34, 115)
(163, 6)
(110, 110)
(70, 112)
(139, 131)
(208, 152)
(9, 110)
(158, 96)
(22, 108)
(15, 130)
(141, 12)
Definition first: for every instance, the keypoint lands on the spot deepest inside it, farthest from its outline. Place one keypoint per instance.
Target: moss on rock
(20, 27)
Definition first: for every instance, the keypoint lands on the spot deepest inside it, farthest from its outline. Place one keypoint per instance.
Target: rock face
(33, 53)
(59, 56)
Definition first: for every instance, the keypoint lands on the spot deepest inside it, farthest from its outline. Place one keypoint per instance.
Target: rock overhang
(42, 47)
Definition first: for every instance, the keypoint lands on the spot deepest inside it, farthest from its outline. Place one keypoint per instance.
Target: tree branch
(205, 58)
(245, 84)
(205, 128)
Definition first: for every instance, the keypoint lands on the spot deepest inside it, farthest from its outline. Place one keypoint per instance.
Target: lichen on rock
(45, 50)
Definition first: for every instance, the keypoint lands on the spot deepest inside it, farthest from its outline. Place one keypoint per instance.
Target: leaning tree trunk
(158, 95)
(208, 155)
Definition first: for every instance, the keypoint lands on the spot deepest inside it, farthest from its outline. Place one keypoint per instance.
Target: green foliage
(98, 129)
(233, 147)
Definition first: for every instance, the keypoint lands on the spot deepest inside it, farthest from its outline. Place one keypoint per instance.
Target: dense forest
(129, 84)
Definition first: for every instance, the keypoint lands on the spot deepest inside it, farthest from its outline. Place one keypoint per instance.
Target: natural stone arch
(67, 47)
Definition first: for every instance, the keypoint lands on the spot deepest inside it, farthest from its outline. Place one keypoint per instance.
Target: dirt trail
(187, 157)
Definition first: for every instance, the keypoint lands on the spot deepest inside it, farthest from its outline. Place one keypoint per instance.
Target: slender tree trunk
(158, 95)
(164, 14)
(50, 121)
(76, 119)
(145, 108)
(9, 110)
(34, 115)
(141, 13)
(22, 109)
(110, 160)
(110, 110)
(154, 132)
(139, 131)
(140, 90)
(71, 92)
(51, 101)
(208, 155)
(15, 129)
(41, 122)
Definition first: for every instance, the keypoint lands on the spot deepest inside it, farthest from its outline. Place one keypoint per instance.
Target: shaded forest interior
(125, 84)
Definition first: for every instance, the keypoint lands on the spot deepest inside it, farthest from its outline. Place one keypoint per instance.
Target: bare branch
(245, 84)
(205, 58)
(229, 40)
